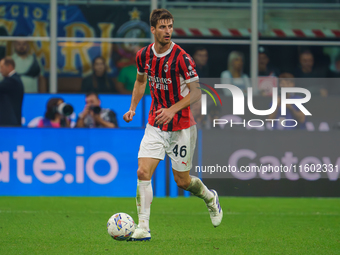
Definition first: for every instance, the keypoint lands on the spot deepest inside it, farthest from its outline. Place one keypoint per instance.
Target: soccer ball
(120, 226)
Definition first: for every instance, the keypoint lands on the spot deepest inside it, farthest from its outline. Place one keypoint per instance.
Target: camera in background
(95, 109)
(65, 109)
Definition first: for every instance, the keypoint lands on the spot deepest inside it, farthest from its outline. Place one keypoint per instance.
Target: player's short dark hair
(158, 14)
(8, 61)
(92, 93)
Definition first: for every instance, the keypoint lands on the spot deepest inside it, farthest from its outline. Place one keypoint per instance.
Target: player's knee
(143, 174)
(182, 183)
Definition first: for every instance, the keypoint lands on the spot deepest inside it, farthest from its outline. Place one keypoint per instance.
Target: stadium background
(66, 35)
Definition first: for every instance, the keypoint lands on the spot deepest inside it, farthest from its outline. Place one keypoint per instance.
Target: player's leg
(146, 168)
(194, 185)
(181, 152)
(151, 151)
(197, 188)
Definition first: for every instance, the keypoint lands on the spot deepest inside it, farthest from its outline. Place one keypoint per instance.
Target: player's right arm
(137, 94)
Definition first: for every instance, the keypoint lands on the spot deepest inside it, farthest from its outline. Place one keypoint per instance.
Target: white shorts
(179, 145)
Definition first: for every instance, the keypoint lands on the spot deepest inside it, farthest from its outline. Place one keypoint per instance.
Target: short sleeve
(140, 61)
(187, 68)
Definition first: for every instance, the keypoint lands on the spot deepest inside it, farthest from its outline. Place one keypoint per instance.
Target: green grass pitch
(66, 225)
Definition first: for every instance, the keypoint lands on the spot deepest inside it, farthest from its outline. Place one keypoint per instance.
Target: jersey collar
(164, 53)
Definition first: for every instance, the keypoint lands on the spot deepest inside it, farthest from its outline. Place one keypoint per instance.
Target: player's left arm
(165, 115)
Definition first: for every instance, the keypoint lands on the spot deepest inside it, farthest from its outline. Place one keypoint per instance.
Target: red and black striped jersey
(168, 73)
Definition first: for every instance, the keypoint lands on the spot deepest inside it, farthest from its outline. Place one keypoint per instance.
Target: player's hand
(164, 116)
(129, 115)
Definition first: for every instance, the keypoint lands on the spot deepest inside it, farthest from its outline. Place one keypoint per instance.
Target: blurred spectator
(127, 77)
(307, 69)
(234, 75)
(292, 112)
(333, 85)
(336, 72)
(52, 117)
(264, 68)
(11, 94)
(124, 55)
(95, 116)
(98, 81)
(201, 59)
(333, 53)
(29, 68)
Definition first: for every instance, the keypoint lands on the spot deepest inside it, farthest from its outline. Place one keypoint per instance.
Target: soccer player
(171, 128)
